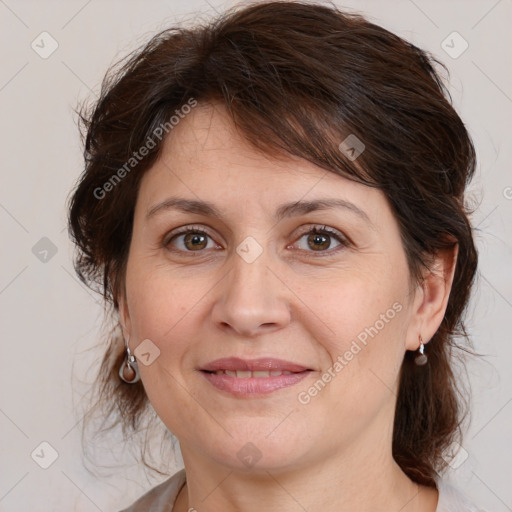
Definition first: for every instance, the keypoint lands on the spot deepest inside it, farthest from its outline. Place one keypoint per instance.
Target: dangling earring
(129, 370)
(422, 358)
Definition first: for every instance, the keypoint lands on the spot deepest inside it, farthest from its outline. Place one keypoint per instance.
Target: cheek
(158, 301)
(362, 364)
(162, 311)
(364, 341)
(359, 308)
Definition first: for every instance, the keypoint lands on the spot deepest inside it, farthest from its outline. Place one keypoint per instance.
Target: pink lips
(241, 382)
(266, 363)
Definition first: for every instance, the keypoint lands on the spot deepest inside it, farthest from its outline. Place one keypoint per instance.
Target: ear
(124, 317)
(431, 298)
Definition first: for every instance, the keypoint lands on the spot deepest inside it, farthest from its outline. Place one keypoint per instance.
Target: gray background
(50, 323)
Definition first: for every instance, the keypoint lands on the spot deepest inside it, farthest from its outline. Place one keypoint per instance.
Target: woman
(273, 204)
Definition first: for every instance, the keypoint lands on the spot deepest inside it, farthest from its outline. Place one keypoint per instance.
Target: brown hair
(297, 78)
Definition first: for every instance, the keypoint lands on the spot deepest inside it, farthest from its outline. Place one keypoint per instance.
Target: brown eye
(195, 241)
(189, 240)
(321, 239)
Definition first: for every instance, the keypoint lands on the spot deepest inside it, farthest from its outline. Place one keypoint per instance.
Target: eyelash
(323, 230)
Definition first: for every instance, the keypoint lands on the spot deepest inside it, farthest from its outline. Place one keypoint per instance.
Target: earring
(129, 370)
(422, 358)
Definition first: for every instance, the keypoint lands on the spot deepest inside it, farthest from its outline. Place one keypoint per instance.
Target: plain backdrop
(55, 54)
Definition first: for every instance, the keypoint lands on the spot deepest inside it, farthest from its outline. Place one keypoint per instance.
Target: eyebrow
(283, 211)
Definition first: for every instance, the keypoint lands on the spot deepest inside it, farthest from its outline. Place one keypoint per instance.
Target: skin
(295, 302)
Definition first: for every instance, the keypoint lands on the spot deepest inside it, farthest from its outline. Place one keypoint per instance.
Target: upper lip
(261, 364)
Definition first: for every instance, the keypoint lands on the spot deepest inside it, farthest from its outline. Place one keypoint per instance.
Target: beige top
(162, 497)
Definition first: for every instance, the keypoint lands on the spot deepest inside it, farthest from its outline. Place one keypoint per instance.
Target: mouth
(258, 374)
(244, 378)
(264, 364)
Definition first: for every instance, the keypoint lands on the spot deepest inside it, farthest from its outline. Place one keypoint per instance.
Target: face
(323, 288)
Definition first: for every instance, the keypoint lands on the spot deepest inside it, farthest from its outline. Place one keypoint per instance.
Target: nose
(252, 298)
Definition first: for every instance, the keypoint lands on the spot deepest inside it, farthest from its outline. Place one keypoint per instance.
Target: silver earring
(422, 358)
(129, 370)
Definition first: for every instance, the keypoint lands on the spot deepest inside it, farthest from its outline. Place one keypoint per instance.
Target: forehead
(207, 139)
(205, 157)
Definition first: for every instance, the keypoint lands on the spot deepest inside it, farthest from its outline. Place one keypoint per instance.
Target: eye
(319, 239)
(191, 239)
(194, 239)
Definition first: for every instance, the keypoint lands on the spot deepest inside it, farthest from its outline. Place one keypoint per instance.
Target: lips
(258, 374)
(253, 378)
(245, 368)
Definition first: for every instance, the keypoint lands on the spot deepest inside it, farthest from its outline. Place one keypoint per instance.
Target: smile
(244, 374)
(245, 384)
(245, 378)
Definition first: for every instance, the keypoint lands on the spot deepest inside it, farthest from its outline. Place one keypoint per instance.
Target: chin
(262, 451)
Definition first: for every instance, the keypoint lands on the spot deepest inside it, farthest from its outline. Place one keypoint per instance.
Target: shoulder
(452, 499)
(160, 498)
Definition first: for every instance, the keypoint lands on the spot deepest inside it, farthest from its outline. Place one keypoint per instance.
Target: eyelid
(183, 230)
(321, 228)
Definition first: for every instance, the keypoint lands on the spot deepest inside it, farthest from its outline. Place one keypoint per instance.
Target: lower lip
(253, 386)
